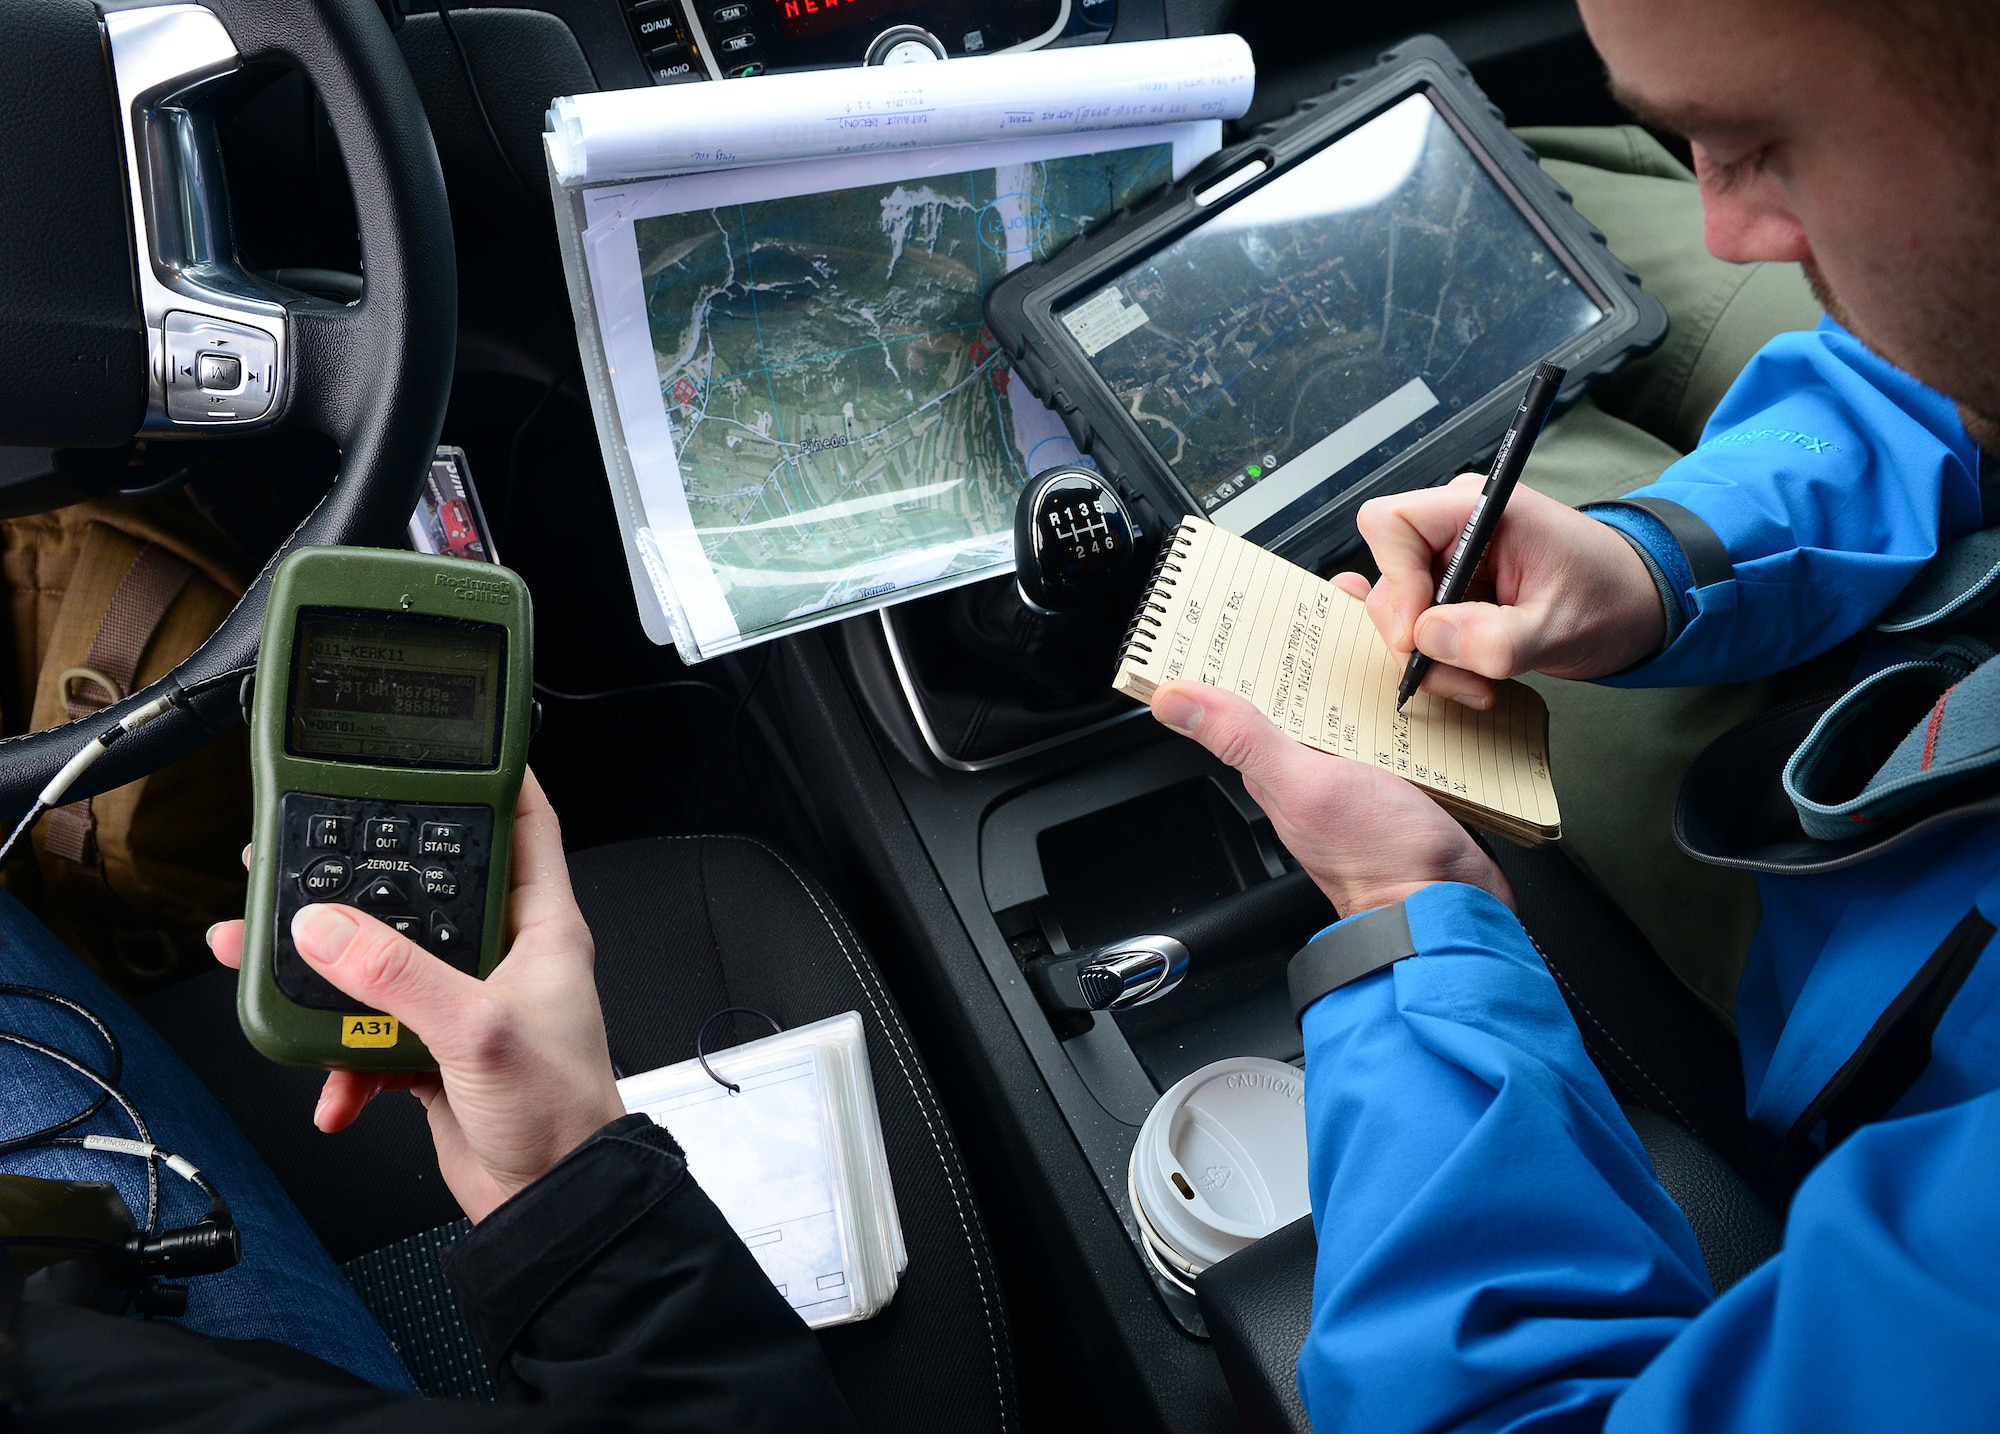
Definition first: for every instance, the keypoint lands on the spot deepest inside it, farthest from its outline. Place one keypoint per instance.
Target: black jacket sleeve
(613, 1282)
(610, 1295)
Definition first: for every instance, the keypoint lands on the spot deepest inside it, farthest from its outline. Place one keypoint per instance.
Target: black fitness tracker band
(1347, 952)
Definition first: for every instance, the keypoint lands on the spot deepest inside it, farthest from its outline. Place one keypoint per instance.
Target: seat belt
(138, 606)
(1897, 1049)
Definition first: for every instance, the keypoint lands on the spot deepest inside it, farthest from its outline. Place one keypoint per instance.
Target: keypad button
(326, 833)
(388, 836)
(381, 892)
(325, 878)
(219, 373)
(408, 926)
(440, 883)
(445, 939)
(442, 839)
(744, 72)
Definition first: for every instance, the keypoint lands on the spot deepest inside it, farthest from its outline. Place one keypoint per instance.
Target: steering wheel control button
(325, 878)
(442, 839)
(382, 892)
(445, 939)
(201, 352)
(219, 373)
(388, 836)
(440, 883)
(325, 833)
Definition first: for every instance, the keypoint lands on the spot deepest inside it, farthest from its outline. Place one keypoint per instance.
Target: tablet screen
(1308, 333)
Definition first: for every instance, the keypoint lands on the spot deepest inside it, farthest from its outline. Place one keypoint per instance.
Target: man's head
(1858, 137)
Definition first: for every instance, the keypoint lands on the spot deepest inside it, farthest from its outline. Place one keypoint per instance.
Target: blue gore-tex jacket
(1494, 1250)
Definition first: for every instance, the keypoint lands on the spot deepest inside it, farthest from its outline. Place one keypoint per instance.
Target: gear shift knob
(1073, 539)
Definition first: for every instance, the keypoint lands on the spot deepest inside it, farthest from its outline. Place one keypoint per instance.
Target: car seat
(685, 926)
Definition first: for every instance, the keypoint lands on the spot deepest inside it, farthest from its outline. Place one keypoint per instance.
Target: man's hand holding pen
(1568, 595)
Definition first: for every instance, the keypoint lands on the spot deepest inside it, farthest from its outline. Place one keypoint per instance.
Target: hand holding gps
(389, 732)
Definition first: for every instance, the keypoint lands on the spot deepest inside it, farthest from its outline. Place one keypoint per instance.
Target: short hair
(1949, 48)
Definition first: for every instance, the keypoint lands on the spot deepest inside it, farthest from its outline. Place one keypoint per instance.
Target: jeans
(285, 1288)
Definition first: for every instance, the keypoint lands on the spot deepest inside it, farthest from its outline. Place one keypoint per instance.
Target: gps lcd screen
(1308, 333)
(396, 690)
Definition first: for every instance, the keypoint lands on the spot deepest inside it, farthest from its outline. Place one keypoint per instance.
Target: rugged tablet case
(1022, 309)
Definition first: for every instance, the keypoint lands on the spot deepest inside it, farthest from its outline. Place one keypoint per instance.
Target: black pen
(1508, 462)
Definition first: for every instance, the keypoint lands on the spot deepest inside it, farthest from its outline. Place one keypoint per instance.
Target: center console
(1079, 826)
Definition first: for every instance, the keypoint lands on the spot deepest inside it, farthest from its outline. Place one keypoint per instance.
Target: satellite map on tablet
(842, 422)
(1329, 319)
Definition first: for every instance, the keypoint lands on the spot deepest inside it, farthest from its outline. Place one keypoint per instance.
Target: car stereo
(682, 40)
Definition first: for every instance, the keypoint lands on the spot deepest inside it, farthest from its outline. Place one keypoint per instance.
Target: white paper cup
(1221, 1161)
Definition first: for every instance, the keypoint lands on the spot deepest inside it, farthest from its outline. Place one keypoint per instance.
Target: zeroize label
(377, 1032)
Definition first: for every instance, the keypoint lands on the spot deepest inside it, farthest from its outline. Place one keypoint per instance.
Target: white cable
(85, 758)
(119, 1145)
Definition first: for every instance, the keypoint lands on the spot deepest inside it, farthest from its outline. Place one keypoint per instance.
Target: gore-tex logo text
(1776, 435)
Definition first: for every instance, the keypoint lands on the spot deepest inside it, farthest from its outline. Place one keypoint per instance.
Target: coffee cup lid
(1221, 1160)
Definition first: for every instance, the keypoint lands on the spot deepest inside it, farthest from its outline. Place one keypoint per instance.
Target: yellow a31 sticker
(375, 1031)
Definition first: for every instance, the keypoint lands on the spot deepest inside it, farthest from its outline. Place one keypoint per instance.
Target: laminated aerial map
(802, 413)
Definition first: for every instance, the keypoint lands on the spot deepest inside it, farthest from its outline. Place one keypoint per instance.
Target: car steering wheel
(125, 313)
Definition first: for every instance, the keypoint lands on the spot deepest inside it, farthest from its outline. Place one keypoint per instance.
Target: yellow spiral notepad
(1222, 611)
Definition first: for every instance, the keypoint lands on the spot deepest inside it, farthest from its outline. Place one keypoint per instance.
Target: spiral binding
(1153, 606)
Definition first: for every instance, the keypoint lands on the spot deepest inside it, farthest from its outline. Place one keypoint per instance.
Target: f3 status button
(442, 839)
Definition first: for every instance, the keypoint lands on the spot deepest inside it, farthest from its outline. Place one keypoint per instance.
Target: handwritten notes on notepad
(1222, 611)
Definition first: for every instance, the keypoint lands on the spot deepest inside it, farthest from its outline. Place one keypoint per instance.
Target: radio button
(442, 839)
(388, 834)
(325, 877)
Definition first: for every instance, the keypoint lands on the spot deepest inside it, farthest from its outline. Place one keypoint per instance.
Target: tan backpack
(107, 596)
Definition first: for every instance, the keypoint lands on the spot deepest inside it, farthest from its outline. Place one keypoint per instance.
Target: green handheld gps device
(389, 732)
